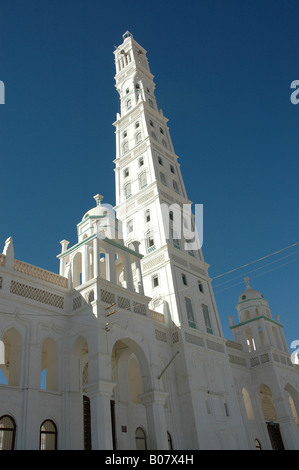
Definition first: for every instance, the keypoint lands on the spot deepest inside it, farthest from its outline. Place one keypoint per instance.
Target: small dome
(249, 293)
(98, 210)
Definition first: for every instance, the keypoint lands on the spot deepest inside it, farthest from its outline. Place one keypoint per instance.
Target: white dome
(249, 293)
(98, 210)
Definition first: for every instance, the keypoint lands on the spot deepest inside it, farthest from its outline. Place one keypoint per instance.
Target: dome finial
(246, 279)
(98, 198)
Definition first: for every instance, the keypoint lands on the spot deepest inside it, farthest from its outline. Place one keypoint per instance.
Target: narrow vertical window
(207, 319)
(48, 435)
(142, 180)
(130, 226)
(7, 433)
(128, 190)
(200, 286)
(190, 315)
(175, 186)
(163, 179)
(147, 215)
(155, 280)
(184, 279)
(140, 439)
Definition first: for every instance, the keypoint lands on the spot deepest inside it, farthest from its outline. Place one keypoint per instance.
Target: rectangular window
(175, 186)
(184, 279)
(163, 179)
(200, 286)
(155, 280)
(147, 215)
(126, 172)
(130, 226)
(207, 319)
(142, 180)
(141, 161)
(190, 314)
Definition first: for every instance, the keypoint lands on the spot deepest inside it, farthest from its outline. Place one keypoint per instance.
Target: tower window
(172, 169)
(128, 190)
(150, 103)
(138, 137)
(184, 279)
(147, 215)
(130, 226)
(164, 143)
(200, 286)
(161, 130)
(137, 86)
(151, 123)
(171, 215)
(125, 147)
(160, 161)
(150, 243)
(141, 161)
(207, 319)
(127, 90)
(137, 125)
(163, 179)
(129, 104)
(155, 280)
(153, 135)
(190, 314)
(126, 172)
(125, 134)
(175, 186)
(142, 180)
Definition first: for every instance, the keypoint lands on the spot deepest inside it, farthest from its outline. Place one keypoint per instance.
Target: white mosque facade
(124, 349)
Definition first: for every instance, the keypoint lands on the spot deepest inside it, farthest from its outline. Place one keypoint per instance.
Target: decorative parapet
(157, 316)
(39, 273)
(39, 295)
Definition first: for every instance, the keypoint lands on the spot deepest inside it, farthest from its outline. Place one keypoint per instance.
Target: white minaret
(151, 199)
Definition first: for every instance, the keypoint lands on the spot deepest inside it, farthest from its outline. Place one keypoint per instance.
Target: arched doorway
(271, 418)
(131, 373)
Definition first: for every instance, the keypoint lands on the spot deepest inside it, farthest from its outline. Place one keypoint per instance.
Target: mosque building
(124, 348)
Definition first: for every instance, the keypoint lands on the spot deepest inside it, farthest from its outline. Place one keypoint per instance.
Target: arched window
(138, 137)
(125, 147)
(128, 190)
(129, 104)
(48, 435)
(140, 439)
(257, 444)
(142, 180)
(169, 439)
(7, 433)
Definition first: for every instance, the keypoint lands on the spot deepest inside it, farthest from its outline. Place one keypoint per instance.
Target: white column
(85, 264)
(156, 423)
(128, 272)
(101, 425)
(96, 260)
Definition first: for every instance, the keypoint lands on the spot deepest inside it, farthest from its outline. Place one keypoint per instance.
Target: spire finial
(246, 279)
(98, 198)
(127, 35)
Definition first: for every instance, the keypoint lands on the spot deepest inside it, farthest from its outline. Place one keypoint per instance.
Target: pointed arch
(12, 356)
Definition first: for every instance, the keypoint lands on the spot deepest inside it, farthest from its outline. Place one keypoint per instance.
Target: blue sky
(223, 71)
